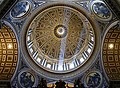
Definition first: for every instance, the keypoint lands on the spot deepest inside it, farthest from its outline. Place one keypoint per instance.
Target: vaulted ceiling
(38, 19)
(8, 53)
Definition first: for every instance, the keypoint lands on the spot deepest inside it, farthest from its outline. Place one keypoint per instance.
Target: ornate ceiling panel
(8, 53)
(111, 53)
(51, 35)
(59, 38)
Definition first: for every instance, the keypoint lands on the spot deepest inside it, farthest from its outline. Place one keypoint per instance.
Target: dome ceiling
(8, 53)
(60, 38)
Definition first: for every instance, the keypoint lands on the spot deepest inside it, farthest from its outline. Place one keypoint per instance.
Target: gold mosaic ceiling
(111, 53)
(60, 38)
(8, 53)
(57, 27)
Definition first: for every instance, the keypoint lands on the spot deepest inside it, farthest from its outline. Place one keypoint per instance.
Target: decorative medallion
(27, 79)
(58, 39)
(21, 9)
(100, 9)
(93, 79)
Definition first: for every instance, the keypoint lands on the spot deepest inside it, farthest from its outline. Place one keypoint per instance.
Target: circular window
(59, 39)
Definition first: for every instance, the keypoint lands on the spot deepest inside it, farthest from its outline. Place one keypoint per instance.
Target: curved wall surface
(8, 53)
